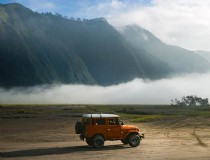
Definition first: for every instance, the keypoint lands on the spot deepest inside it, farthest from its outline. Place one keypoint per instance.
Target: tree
(58, 15)
(72, 18)
(190, 101)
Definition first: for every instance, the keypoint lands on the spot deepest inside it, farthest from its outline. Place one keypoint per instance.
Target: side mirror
(121, 123)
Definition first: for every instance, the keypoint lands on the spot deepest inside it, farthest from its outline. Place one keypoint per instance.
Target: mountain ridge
(179, 59)
(45, 49)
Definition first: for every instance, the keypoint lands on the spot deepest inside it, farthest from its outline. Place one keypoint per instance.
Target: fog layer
(137, 91)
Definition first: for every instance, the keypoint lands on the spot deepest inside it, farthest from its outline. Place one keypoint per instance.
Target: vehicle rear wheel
(89, 142)
(98, 141)
(134, 140)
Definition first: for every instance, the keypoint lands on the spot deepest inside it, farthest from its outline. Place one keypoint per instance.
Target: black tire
(89, 142)
(134, 140)
(98, 141)
(124, 141)
(78, 128)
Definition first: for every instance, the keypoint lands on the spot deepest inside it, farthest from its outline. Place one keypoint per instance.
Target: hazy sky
(185, 23)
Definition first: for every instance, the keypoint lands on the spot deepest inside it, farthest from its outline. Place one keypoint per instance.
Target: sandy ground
(48, 138)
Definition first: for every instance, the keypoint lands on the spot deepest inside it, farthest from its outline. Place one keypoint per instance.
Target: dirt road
(48, 138)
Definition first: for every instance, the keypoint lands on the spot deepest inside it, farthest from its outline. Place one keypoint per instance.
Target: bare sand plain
(52, 136)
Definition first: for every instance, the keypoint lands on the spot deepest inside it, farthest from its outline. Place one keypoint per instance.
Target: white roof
(99, 115)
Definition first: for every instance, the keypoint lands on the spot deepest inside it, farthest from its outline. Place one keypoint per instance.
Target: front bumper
(141, 135)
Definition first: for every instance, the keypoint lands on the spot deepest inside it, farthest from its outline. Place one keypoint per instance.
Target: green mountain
(30, 53)
(45, 49)
(179, 59)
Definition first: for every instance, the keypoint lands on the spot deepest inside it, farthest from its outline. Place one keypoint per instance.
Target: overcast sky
(185, 23)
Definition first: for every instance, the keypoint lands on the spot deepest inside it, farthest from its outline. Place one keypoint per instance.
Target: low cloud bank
(137, 91)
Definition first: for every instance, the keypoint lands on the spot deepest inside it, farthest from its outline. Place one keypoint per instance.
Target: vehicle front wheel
(134, 140)
(98, 141)
(124, 141)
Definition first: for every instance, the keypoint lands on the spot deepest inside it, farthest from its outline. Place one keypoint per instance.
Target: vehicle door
(113, 128)
(98, 126)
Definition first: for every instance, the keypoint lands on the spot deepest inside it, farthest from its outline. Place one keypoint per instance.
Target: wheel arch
(100, 134)
(130, 134)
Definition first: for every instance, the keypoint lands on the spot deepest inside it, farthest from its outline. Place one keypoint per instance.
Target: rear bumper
(82, 137)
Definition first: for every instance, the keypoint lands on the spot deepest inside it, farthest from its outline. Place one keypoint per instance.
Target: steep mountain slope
(110, 59)
(28, 56)
(179, 59)
(44, 48)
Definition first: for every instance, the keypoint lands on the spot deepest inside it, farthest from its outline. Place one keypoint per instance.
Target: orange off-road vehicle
(97, 128)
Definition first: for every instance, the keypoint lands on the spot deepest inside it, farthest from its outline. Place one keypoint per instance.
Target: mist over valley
(138, 91)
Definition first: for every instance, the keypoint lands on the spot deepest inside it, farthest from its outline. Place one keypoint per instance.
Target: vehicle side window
(99, 121)
(113, 121)
(86, 121)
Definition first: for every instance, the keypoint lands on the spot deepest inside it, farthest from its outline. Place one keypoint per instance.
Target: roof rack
(100, 115)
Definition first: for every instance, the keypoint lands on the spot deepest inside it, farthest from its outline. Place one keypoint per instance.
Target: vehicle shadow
(57, 150)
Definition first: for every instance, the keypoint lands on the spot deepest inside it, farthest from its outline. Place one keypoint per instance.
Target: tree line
(65, 17)
(190, 101)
